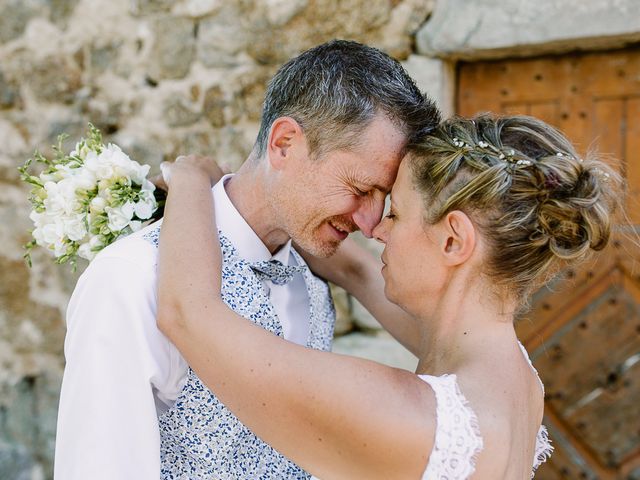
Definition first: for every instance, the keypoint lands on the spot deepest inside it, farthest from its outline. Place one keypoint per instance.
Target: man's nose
(368, 216)
(380, 232)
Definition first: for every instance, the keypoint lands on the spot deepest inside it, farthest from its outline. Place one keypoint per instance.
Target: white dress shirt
(121, 371)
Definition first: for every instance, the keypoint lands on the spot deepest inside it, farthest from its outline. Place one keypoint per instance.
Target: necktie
(275, 271)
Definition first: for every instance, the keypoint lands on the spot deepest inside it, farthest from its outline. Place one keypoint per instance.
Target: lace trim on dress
(544, 449)
(457, 440)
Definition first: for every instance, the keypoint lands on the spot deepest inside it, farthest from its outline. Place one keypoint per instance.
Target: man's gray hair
(335, 90)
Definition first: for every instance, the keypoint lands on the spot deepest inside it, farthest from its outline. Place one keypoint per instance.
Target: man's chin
(319, 249)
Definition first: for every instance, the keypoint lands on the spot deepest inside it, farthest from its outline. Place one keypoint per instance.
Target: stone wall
(164, 77)
(160, 78)
(483, 29)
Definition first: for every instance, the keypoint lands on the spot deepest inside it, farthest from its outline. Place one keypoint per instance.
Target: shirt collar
(239, 232)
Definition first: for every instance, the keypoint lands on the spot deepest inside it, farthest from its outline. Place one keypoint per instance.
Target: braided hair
(536, 202)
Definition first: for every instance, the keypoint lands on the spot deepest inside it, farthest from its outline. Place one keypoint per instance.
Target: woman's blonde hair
(535, 201)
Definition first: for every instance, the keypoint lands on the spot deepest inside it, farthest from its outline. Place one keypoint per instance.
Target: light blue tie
(275, 271)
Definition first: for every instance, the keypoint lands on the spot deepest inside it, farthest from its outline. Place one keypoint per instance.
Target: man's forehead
(385, 177)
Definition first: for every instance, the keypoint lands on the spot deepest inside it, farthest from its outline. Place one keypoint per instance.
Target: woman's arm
(336, 416)
(356, 270)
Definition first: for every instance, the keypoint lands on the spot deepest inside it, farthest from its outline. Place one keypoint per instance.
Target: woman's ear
(459, 237)
(285, 141)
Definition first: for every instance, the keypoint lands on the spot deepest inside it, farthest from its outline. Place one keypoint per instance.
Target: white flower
(48, 177)
(148, 187)
(98, 204)
(75, 228)
(52, 233)
(39, 219)
(139, 173)
(81, 150)
(144, 209)
(97, 241)
(39, 237)
(105, 171)
(67, 187)
(135, 225)
(85, 252)
(91, 162)
(85, 179)
(63, 171)
(119, 217)
(59, 248)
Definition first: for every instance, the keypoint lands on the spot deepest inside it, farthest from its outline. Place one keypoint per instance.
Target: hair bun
(575, 212)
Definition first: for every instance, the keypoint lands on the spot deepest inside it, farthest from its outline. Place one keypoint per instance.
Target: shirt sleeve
(116, 363)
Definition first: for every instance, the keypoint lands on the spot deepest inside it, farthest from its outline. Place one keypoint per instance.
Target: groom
(335, 122)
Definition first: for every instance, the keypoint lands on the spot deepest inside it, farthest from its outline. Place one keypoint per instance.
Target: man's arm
(116, 357)
(356, 270)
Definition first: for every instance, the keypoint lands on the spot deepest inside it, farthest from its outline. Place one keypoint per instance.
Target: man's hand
(200, 165)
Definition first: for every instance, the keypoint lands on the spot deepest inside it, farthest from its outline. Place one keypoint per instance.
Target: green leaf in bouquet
(27, 254)
(58, 150)
(94, 139)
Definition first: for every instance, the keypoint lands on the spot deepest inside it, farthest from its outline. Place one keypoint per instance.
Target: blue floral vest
(199, 437)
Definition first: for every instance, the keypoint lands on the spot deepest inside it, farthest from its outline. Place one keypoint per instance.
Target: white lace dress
(458, 439)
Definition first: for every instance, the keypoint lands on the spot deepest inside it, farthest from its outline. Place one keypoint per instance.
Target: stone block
(143, 149)
(221, 38)
(179, 112)
(17, 462)
(27, 427)
(14, 16)
(280, 12)
(173, 48)
(197, 142)
(397, 34)
(61, 10)
(9, 93)
(436, 78)
(12, 142)
(145, 7)
(234, 145)
(381, 348)
(214, 105)
(55, 79)
(196, 8)
(498, 28)
(103, 55)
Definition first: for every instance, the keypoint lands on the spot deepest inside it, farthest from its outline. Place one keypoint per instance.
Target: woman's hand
(189, 165)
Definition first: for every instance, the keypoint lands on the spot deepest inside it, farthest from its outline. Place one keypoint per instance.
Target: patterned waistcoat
(200, 438)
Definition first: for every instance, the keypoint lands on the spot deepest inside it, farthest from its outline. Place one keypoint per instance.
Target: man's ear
(459, 238)
(286, 140)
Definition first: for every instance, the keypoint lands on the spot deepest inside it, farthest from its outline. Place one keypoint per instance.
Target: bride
(483, 211)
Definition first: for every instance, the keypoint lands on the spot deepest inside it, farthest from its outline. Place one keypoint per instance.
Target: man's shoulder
(138, 249)
(125, 269)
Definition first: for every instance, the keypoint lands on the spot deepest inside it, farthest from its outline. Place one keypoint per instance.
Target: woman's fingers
(191, 163)
(159, 182)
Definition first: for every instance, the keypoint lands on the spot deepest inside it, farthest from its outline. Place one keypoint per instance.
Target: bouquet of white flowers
(85, 200)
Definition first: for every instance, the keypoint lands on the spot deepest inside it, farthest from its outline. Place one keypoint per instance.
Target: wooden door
(583, 331)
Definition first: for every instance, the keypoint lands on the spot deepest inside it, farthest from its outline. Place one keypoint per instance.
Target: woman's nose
(379, 232)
